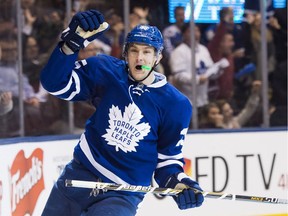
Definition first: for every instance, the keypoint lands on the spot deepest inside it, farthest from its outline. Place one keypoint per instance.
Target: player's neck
(149, 80)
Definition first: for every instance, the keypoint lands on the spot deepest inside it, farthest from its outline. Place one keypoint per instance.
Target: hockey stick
(168, 191)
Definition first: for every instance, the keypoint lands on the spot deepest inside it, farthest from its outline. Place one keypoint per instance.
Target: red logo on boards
(26, 182)
(188, 167)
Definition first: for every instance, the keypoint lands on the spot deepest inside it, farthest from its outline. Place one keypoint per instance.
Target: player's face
(140, 55)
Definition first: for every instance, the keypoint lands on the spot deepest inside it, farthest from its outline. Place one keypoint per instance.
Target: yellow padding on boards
(285, 214)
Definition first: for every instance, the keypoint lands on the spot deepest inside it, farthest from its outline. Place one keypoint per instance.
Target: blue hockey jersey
(136, 129)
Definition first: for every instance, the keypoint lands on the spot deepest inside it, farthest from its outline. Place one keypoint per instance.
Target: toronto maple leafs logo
(144, 27)
(125, 131)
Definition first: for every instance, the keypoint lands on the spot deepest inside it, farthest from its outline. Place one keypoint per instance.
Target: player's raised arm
(61, 76)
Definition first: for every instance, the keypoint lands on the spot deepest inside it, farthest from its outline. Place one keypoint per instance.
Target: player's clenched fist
(191, 195)
(84, 28)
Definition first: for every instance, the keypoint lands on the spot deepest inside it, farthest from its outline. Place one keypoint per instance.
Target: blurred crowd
(227, 63)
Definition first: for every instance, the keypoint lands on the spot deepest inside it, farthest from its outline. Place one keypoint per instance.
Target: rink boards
(249, 163)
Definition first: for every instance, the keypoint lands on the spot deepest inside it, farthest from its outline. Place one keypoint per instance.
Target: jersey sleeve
(171, 137)
(72, 80)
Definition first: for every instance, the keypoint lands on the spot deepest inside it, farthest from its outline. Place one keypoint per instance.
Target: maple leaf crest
(125, 132)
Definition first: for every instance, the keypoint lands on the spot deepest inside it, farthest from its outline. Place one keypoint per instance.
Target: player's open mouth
(138, 67)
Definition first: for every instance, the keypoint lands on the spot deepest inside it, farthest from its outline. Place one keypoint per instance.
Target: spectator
(142, 13)
(59, 4)
(226, 18)
(172, 34)
(7, 16)
(29, 16)
(9, 81)
(6, 102)
(94, 48)
(251, 7)
(231, 121)
(80, 5)
(180, 63)
(252, 39)
(51, 108)
(278, 111)
(226, 15)
(221, 46)
(33, 61)
(172, 37)
(113, 36)
(278, 25)
(211, 118)
(137, 17)
(48, 27)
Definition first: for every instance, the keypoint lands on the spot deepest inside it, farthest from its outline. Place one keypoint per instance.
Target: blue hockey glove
(188, 198)
(84, 28)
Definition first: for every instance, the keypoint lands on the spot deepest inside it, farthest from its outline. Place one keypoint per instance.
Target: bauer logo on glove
(83, 29)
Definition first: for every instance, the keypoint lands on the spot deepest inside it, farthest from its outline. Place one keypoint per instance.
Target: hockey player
(137, 129)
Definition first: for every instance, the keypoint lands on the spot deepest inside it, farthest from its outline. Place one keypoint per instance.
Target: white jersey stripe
(107, 173)
(68, 86)
(165, 157)
(169, 162)
(77, 85)
(181, 176)
(62, 91)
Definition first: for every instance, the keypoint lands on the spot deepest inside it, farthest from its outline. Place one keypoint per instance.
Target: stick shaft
(170, 191)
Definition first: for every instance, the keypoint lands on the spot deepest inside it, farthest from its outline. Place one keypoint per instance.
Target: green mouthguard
(145, 67)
